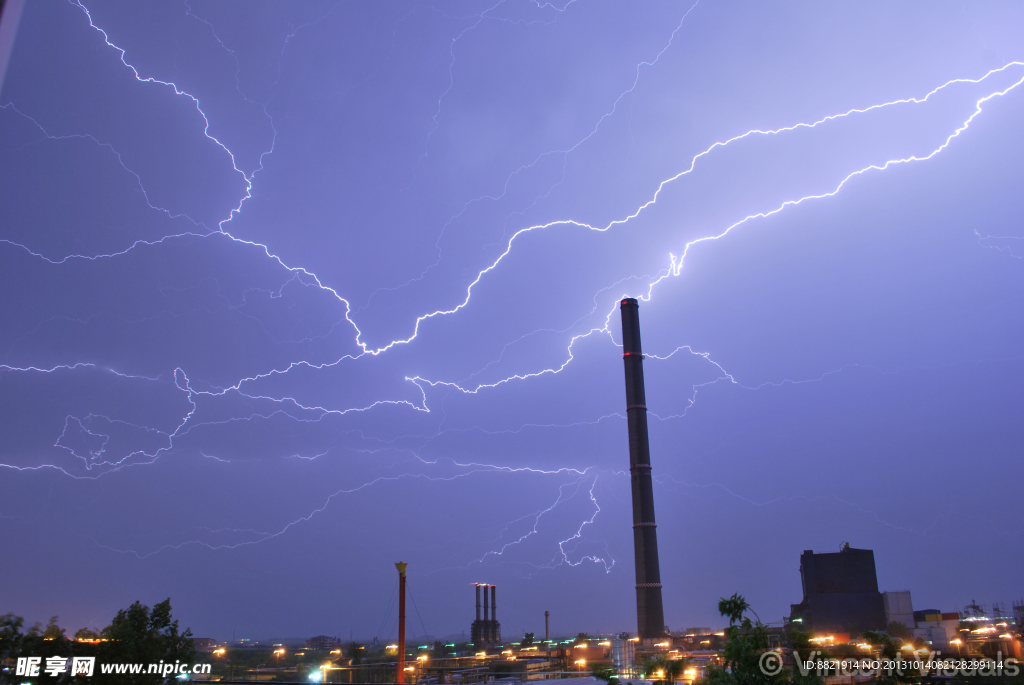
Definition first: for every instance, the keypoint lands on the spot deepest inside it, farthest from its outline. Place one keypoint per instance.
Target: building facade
(840, 593)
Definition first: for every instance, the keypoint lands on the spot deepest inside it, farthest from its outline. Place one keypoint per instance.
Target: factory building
(840, 593)
(899, 608)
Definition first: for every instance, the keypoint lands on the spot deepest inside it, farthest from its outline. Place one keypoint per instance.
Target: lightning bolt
(301, 275)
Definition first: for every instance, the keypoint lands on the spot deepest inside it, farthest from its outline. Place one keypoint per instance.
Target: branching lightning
(97, 462)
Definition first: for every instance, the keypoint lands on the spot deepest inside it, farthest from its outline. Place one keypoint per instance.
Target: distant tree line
(138, 634)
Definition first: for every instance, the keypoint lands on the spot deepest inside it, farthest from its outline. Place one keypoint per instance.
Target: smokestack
(478, 601)
(486, 605)
(494, 603)
(650, 614)
(400, 679)
(546, 614)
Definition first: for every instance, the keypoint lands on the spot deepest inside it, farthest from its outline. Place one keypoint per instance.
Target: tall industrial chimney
(494, 603)
(649, 612)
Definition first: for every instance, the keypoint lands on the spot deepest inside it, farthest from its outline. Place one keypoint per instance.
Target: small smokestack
(546, 614)
(486, 604)
(477, 601)
(494, 603)
(401, 566)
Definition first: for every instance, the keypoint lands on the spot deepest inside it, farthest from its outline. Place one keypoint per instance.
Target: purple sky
(295, 291)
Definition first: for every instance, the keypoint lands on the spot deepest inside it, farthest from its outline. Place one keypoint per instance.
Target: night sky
(294, 291)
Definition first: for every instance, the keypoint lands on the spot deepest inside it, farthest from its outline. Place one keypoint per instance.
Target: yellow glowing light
(481, 653)
(409, 668)
(278, 651)
(581, 662)
(604, 644)
(583, 646)
(721, 634)
(957, 641)
(1006, 636)
(661, 644)
(421, 658)
(634, 639)
(908, 647)
(335, 651)
(507, 651)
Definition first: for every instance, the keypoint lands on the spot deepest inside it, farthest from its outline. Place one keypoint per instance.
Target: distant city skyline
(294, 292)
